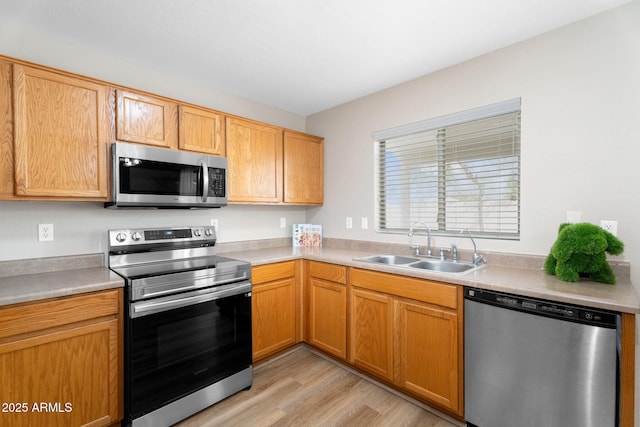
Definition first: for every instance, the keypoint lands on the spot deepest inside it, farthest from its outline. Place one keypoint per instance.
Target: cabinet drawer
(30, 317)
(417, 289)
(270, 272)
(330, 272)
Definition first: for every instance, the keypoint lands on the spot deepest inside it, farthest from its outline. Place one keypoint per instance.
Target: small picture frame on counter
(307, 235)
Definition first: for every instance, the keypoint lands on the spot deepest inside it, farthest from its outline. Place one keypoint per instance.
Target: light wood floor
(304, 389)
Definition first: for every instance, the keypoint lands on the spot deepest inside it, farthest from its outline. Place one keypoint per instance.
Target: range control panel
(129, 237)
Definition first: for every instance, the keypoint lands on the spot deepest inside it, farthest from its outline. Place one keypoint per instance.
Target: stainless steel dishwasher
(532, 363)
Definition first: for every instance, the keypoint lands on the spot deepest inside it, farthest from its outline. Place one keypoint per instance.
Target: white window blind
(460, 171)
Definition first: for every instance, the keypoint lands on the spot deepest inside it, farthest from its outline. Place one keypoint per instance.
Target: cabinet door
(303, 169)
(65, 378)
(427, 340)
(254, 153)
(61, 361)
(6, 132)
(200, 130)
(372, 332)
(146, 119)
(273, 317)
(328, 316)
(62, 131)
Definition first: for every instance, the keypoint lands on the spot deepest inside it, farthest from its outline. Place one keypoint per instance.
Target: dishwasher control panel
(547, 308)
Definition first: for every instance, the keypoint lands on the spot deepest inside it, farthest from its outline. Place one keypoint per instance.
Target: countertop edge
(41, 286)
(534, 283)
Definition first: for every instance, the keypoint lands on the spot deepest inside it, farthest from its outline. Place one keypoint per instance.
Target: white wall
(580, 90)
(30, 45)
(81, 227)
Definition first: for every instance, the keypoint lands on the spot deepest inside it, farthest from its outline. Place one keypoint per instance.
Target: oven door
(180, 344)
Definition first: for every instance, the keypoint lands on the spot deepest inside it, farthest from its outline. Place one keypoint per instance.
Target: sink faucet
(416, 247)
(454, 253)
(476, 258)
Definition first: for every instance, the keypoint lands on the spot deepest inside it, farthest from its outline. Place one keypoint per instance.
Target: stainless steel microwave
(149, 177)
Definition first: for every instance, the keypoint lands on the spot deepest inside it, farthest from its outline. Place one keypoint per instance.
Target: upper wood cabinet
(254, 153)
(201, 130)
(272, 166)
(61, 136)
(6, 131)
(303, 169)
(56, 130)
(146, 119)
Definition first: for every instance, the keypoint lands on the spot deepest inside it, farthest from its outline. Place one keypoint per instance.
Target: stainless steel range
(188, 329)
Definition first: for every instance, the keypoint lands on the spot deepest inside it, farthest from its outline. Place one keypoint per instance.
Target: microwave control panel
(217, 182)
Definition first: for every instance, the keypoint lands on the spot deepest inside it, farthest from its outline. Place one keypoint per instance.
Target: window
(452, 173)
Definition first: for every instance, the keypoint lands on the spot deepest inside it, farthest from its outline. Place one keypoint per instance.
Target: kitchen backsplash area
(81, 227)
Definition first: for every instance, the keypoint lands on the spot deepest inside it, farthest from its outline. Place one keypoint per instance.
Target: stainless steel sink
(390, 259)
(444, 266)
(430, 264)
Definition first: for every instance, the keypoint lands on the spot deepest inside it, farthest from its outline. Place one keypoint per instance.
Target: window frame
(381, 167)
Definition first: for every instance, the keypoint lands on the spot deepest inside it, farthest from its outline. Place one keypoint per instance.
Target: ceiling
(302, 56)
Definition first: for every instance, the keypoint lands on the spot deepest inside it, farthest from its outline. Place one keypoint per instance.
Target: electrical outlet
(364, 222)
(283, 222)
(45, 232)
(214, 224)
(349, 223)
(610, 226)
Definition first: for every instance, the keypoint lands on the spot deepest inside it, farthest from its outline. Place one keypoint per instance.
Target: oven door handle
(145, 308)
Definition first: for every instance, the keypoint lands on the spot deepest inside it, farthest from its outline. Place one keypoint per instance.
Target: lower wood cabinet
(372, 332)
(409, 332)
(61, 361)
(406, 332)
(327, 307)
(428, 358)
(276, 307)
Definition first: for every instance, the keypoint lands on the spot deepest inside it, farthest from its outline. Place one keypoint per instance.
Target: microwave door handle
(205, 180)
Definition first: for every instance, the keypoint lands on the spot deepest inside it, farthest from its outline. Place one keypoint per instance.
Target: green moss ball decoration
(579, 251)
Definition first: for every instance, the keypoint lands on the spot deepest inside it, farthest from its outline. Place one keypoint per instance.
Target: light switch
(364, 222)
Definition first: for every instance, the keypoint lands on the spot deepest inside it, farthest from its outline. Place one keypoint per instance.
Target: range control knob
(197, 233)
(121, 237)
(588, 316)
(136, 236)
(208, 232)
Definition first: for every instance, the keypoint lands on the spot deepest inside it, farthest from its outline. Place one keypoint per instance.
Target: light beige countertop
(37, 279)
(29, 280)
(521, 280)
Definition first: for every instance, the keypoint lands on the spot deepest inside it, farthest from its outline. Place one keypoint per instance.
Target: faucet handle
(416, 249)
(454, 253)
(442, 251)
(478, 259)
